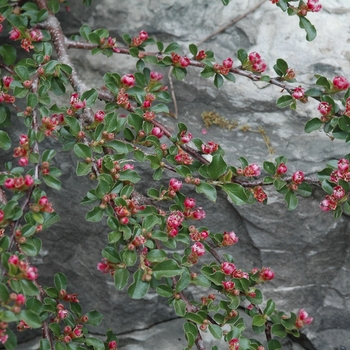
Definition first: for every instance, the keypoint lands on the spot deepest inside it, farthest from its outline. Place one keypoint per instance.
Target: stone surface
(308, 250)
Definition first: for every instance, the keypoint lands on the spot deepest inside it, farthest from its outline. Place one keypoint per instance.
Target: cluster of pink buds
(128, 81)
(185, 136)
(110, 43)
(75, 103)
(183, 158)
(325, 109)
(155, 76)
(4, 96)
(112, 345)
(18, 300)
(99, 116)
(174, 186)
(339, 195)
(255, 63)
(19, 183)
(123, 99)
(201, 55)
(209, 147)
(27, 39)
(259, 194)
(340, 83)
(62, 313)
(149, 116)
(49, 124)
(225, 67)
(69, 333)
(298, 93)
(229, 238)
(70, 297)
(3, 335)
(297, 178)
(43, 205)
(196, 235)
(24, 270)
(310, 6)
(106, 266)
(22, 151)
(303, 319)
(22, 326)
(233, 344)
(196, 214)
(180, 61)
(149, 98)
(266, 274)
(138, 40)
(249, 171)
(174, 221)
(197, 250)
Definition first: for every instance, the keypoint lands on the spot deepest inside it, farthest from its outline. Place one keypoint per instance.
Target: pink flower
(298, 177)
(112, 345)
(36, 35)
(298, 93)
(281, 169)
(9, 183)
(324, 108)
(175, 219)
(338, 192)
(184, 62)
(343, 165)
(229, 238)
(175, 184)
(99, 116)
(341, 83)
(7, 80)
(210, 147)
(156, 76)
(2, 215)
(20, 299)
(13, 259)
(228, 63)
(198, 214)
(28, 181)
(128, 166)
(23, 161)
(23, 139)
(266, 274)
(314, 6)
(274, 1)
(3, 338)
(143, 35)
(31, 273)
(228, 268)
(198, 249)
(228, 285)
(185, 136)
(303, 319)
(157, 132)
(252, 170)
(324, 205)
(103, 267)
(128, 80)
(189, 203)
(15, 34)
(259, 194)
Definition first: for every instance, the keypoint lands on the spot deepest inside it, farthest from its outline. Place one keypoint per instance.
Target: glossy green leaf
(215, 330)
(270, 307)
(236, 192)
(259, 320)
(313, 124)
(82, 150)
(284, 101)
(311, 32)
(60, 281)
(83, 169)
(218, 80)
(138, 288)
(5, 141)
(94, 215)
(269, 167)
(94, 318)
(90, 96)
(242, 55)
(183, 282)
(179, 73)
(194, 317)
(167, 268)
(208, 190)
(156, 255)
(31, 318)
(121, 277)
(191, 332)
(4, 293)
(291, 199)
(97, 344)
(165, 291)
(52, 182)
(29, 288)
(8, 53)
(172, 47)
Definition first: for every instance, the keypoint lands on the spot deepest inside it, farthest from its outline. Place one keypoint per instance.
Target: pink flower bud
(228, 63)
(298, 177)
(9, 183)
(184, 62)
(343, 165)
(314, 6)
(28, 181)
(298, 93)
(229, 238)
(228, 268)
(341, 83)
(21, 299)
(175, 184)
(23, 161)
(185, 136)
(146, 104)
(7, 80)
(338, 192)
(157, 132)
(198, 214)
(128, 80)
(2, 215)
(13, 259)
(324, 108)
(143, 35)
(15, 34)
(228, 285)
(43, 201)
(112, 345)
(156, 76)
(189, 203)
(281, 169)
(128, 166)
(266, 274)
(99, 116)
(198, 249)
(324, 205)
(204, 235)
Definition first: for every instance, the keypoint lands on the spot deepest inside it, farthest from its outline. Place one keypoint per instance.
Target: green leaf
(90, 96)
(60, 281)
(179, 73)
(216, 167)
(183, 282)
(327, 187)
(52, 182)
(54, 6)
(207, 72)
(215, 330)
(156, 255)
(29, 288)
(83, 169)
(313, 124)
(314, 92)
(44, 344)
(11, 342)
(121, 277)
(97, 344)
(129, 175)
(31, 318)
(160, 108)
(191, 332)
(129, 257)
(291, 199)
(284, 101)
(165, 291)
(94, 215)
(196, 318)
(172, 47)
(269, 167)
(242, 55)
(344, 123)
(8, 53)
(95, 318)
(138, 288)
(258, 320)
(74, 126)
(236, 192)
(193, 49)
(270, 307)
(82, 150)
(167, 268)
(311, 32)
(5, 141)
(279, 330)
(208, 190)
(218, 80)
(4, 293)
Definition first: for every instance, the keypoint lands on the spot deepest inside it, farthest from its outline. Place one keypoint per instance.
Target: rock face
(308, 250)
